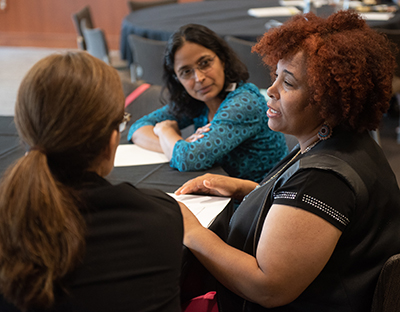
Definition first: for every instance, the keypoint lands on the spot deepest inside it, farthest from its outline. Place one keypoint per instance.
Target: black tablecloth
(160, 176)
(223, 17)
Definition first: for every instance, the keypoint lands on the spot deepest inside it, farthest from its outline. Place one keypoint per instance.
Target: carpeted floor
(15, 62)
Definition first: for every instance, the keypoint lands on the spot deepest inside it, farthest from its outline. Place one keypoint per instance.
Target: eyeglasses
(204, 66)
(122, 125)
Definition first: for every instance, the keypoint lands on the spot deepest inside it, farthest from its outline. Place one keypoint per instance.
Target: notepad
(204, 207)
(133, 155)
(273, 11)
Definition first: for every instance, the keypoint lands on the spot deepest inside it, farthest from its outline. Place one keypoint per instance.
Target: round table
(223, 17)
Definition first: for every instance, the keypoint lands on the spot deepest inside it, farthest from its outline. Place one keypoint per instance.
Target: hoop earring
(325, 132)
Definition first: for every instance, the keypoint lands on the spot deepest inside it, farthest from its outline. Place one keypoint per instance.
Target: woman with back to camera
(207, 87)
(314, 235)
(69, 240)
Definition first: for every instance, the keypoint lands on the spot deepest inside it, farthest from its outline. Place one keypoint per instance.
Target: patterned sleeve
(321, 192)
(158, 115)
(239, 113)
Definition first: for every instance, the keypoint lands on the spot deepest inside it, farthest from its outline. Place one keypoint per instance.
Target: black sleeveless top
(370, 222)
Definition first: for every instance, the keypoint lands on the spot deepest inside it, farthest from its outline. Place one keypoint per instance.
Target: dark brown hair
(349, 65)
(67, 107)
(181, 103)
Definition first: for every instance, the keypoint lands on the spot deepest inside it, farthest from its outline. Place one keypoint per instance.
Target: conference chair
(386, 297)
(148, 56)
(137, 5)
(93, 40)
(259, 73)
(77, 18)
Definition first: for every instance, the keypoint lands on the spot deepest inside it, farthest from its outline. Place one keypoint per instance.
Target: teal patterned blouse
(239, 138)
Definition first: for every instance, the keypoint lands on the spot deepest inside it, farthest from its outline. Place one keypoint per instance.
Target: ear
(112, 145)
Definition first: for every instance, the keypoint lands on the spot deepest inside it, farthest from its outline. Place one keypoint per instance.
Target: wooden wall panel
(48, 23)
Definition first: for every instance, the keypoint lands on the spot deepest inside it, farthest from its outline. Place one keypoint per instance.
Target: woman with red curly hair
(314, 235)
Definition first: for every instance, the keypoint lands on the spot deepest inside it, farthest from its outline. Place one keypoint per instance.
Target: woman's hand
(218, 185)
(166, 125)
(199, 133)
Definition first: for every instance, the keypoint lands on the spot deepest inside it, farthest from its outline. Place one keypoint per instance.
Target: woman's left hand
(199, 133)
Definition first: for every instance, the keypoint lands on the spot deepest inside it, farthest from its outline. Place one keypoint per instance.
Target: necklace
(307, 149)
(280, 170)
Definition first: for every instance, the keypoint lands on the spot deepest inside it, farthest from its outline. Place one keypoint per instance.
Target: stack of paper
(204, 207)
(133, 155)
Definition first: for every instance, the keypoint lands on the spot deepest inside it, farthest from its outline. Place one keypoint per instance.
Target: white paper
(376, 16)
(133, 155)
(204, 207)
(273, 11)
(353, 4)
(319, 3)
(297, 3)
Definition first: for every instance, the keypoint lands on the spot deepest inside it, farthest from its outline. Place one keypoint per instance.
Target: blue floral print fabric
(239, 138)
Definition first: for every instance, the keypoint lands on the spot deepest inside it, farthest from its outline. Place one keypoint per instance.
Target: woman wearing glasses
(69, 240)
(206, 86)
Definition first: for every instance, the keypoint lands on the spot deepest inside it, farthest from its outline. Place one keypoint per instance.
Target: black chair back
(386, 297)
(259, 73)
(77, 18)
(148, 57)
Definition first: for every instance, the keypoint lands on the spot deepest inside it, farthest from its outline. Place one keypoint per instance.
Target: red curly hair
(349, 66)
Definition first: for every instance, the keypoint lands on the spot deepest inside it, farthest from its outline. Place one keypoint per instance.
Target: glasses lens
(204, 66)
(122, 126)
(186, 74)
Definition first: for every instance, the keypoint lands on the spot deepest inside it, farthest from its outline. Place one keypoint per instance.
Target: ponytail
(67, 107)
(41, 232)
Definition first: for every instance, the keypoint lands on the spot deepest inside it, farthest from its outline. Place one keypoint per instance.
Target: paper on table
(319, 3)
(297, 3)
(273, 11)
(377, 16)
(204, 207)
(133, 155)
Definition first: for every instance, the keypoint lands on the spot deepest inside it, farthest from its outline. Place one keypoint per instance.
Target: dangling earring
(325, 132)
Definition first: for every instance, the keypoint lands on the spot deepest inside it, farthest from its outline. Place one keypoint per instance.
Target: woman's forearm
(235, 269)
(168, 138)
(145, 137)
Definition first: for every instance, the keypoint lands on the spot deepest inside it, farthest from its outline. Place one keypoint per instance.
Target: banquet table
(223, 17)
